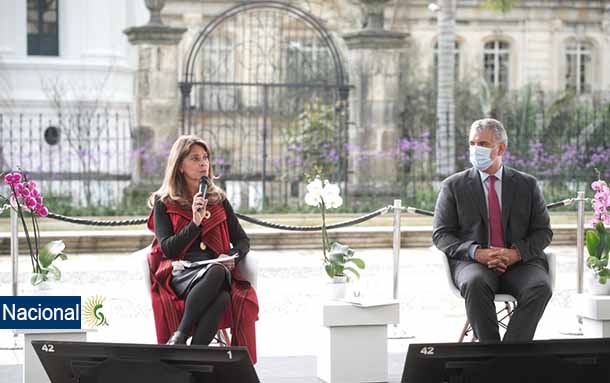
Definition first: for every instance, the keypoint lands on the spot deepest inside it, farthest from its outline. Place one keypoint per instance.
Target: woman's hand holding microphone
(199, 208)
(199, 212)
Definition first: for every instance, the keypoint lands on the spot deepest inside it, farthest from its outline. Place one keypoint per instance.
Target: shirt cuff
(235, 251)
(472, 250)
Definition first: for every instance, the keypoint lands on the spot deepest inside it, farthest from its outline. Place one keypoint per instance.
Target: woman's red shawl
(168, 309)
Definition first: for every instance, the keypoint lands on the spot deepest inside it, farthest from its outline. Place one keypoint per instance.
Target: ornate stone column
(374, 61)
(157, 95)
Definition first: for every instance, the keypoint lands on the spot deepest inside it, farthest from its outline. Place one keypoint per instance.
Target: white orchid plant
(339, 259)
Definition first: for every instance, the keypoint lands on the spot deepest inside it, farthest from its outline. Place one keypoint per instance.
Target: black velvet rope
(351, 222)
(256, 221)
(97, 222)
(553, 205)
(260, 222)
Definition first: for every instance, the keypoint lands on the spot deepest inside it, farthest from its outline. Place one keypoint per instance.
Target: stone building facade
(553, 43)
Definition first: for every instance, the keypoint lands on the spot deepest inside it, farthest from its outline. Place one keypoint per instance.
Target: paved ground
(291, 288)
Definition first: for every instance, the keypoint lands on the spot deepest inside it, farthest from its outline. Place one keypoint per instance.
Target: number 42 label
(48, 348)
(427, 350)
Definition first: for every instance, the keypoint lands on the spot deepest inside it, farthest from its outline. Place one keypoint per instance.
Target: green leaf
(604, 240)
(604, 272)
(45, 258)
(353, 271)
(329, 270)
(603, 279)
(337, 259)
(55, 272)
(592, 241)
(338, 269)
(62, 256)
(36, 279)
(50, 252)
(358, 262)
(592, 261)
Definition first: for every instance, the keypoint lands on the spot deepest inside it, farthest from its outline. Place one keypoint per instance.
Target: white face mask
(480, 157)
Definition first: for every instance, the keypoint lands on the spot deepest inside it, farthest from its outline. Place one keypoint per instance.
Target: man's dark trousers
(528, 282)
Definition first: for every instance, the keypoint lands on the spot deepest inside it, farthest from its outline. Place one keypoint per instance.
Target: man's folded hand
(498, 259)
(509, 256)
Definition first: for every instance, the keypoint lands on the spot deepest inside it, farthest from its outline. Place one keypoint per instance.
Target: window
(456, 50)
(42, 28)
(218, 66)
(496, 61)
(579, 68)
(307, 62)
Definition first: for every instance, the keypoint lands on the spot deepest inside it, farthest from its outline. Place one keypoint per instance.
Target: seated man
(492, 223)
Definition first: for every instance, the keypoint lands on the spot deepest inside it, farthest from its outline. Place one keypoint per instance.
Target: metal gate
(265, 86)
(77, 154)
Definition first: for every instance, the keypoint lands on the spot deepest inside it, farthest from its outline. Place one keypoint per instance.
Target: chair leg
(223, 334)
(509, 307)
(464, 331)
(222, 338)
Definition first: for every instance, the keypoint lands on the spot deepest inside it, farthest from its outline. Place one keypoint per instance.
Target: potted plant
(26, 200)
(597, 240)
(339, 261)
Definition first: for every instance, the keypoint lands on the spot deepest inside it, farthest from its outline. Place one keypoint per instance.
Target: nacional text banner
(40, 312)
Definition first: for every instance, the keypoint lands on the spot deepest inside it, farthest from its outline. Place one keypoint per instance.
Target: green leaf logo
(92, 311)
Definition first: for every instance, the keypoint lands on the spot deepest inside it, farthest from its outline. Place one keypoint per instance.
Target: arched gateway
(265, 85)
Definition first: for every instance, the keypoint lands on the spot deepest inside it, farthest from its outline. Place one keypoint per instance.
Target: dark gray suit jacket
(461, 219)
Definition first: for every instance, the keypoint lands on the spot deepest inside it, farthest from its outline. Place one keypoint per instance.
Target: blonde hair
(174, 186)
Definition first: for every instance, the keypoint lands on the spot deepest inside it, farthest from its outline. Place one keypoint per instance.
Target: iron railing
(84, 158)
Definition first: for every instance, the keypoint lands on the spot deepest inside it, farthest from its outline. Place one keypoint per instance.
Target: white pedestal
(33, 372)
(354, 345)
(595, 313)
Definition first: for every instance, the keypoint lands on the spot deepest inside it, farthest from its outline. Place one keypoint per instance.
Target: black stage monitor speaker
(83, 362)
(565, 360)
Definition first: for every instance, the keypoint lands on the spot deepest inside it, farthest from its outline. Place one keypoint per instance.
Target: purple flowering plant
(26, 199)
(597, 239)
(311, 140)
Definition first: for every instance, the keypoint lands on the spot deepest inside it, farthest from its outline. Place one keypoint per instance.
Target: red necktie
(496, 237)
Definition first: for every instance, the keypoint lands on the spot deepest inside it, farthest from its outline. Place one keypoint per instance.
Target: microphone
(203, 187)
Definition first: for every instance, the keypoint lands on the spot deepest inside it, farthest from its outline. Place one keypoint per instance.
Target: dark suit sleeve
(445, 234)
(539, 231)
(239, 239)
